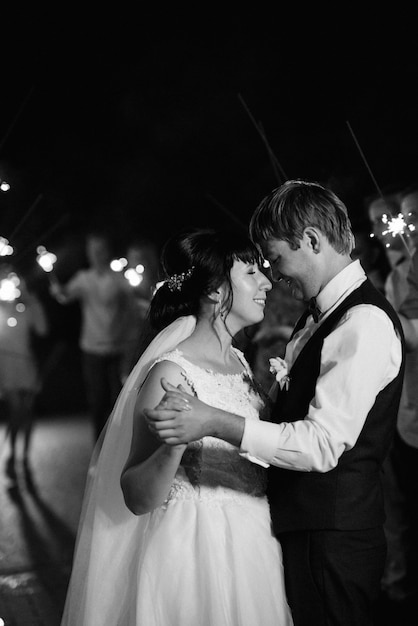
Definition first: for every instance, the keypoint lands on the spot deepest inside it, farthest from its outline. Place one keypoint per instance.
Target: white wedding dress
(207, 556)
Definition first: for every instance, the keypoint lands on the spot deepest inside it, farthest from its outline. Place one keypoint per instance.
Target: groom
(334, 422)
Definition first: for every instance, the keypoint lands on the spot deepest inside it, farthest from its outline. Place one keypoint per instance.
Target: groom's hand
(178, 417)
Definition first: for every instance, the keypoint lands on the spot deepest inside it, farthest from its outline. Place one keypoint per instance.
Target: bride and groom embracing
(219, 506)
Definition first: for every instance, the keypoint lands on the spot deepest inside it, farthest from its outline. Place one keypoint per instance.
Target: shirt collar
(344, 282)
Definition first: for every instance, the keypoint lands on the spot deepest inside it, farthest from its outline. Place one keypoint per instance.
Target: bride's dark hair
(196, 262)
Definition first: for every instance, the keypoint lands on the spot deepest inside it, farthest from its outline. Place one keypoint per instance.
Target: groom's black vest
(350, 495)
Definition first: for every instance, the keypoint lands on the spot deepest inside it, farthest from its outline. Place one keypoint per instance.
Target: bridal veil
(109, 535)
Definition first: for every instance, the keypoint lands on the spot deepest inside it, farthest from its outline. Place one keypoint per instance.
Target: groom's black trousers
(333, 577)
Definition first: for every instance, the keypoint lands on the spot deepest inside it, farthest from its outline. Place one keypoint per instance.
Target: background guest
(105, 299)
(22, 317)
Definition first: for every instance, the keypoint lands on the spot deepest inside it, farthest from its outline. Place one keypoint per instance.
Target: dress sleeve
(178, 359)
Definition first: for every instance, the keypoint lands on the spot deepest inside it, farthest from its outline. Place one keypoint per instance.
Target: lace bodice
(210, 467)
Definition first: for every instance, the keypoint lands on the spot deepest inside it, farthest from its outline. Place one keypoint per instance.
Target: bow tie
(314, 309)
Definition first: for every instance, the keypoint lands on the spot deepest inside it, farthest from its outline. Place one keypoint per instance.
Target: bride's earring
(217, 310)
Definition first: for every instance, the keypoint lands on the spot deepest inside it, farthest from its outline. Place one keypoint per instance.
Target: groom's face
(295, 267)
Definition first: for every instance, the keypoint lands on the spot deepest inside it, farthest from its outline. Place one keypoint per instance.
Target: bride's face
(249, 291)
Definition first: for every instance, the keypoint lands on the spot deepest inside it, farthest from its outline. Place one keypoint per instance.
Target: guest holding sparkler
(389, 227)
(394, 218)
(401, 580)
(104, 296)
(21, 317)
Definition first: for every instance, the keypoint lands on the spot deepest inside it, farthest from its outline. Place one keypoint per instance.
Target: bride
(181, 535)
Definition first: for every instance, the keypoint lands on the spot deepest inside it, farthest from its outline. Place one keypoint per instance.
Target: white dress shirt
(360, 357)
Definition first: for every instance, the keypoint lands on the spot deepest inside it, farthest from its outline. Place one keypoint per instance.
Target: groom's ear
(312, 238)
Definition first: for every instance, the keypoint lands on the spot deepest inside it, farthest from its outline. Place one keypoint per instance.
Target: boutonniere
(279, 368)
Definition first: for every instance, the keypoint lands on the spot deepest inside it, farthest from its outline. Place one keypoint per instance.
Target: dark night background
(131, 117)
(137, 122)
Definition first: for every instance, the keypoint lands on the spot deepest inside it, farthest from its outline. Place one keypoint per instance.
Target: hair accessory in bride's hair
(175, 282)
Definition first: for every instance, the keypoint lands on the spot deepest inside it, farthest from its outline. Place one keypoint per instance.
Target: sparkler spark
(5, 248)
(393, 227)
(397, 226)
(9, 290)
(45, 259)
(134, 275)
(117, 265)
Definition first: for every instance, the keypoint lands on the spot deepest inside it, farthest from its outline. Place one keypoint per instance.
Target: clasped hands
(179, 417)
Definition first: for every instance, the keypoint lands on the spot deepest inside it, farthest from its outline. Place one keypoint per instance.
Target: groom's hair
(297, 204)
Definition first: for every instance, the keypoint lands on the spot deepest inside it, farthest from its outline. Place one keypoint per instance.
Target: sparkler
(117, 265)
(46, 261)
(9, 287)
(134, 275)
(27, 214)
(9, 293)
(278, 170)
(14, 121)
(228, 213)
(5, 248)
(28, 249)
(396, 225)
